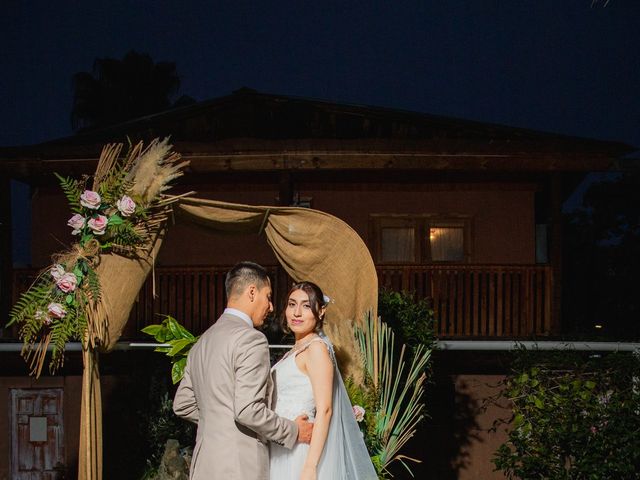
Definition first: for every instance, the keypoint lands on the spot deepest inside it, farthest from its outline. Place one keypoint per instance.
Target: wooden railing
(480, 300)
(468, 300)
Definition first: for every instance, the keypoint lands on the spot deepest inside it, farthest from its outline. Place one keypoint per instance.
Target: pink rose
(40, 315)
(90, 199)
(358, 413)
(77, 223)
(57, 271)
(126, 206)
(67, 283)
(98, 225)
(56, 310)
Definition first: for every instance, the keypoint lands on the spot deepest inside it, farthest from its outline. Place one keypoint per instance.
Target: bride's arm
(319, 367)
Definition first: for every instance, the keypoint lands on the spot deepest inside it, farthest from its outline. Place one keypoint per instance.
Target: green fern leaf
(71, 189)
(93, 284)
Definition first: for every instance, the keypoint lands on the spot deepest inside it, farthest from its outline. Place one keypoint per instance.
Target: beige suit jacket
(225, 389)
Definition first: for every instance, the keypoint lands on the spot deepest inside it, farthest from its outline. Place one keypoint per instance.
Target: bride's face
(300, 318)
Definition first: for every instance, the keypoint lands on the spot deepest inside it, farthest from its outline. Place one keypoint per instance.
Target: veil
(345, 455)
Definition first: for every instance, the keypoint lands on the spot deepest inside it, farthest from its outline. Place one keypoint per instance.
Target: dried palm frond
(154, 169)
(108, 159)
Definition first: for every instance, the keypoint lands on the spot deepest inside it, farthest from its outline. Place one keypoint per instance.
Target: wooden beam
(6, 259)
(555, 203)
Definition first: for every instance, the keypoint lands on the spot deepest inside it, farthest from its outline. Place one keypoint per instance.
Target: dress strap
(306, 345)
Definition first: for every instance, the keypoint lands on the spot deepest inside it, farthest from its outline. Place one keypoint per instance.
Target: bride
(307, 381)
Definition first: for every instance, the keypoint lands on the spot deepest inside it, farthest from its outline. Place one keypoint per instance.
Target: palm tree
(119, 90)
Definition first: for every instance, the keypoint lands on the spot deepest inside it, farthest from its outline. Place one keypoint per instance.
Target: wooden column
(285, 187)
(555, 250)
(6, 260)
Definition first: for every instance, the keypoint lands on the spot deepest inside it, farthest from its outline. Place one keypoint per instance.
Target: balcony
(469, 301)
(478, 301)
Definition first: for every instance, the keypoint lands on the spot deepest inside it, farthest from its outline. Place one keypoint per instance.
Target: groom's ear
(251, 292)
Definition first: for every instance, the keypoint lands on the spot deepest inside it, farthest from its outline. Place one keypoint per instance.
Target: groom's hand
(305, 428)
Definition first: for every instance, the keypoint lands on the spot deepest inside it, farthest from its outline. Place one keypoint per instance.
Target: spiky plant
(398, 380)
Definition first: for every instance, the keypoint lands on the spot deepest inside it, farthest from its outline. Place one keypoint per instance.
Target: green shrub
(573, 418)
(411, 320)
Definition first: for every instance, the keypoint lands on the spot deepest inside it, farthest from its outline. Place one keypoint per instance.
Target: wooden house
(465, 213)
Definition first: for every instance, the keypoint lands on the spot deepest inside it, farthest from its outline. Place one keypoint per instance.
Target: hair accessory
(326, 299)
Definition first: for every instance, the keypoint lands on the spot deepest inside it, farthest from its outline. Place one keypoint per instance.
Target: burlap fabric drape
(120, 279)
(310, 245)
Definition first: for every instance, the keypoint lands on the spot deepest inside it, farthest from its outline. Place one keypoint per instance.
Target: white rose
(77, 223)
(57, 271)
(126, 206)
(90, 199)
(358, 413)
(67, 282)
(56, 310)
(98, 225)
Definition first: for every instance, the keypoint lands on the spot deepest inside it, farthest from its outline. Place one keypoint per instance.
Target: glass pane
(542, 255)
(447, 244)
(398, 245)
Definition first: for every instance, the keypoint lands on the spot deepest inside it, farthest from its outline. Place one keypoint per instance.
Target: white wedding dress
(345, 455)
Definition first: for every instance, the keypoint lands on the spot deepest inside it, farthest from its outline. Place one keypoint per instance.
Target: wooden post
(556, 250)
(6, 259)
(285, 194)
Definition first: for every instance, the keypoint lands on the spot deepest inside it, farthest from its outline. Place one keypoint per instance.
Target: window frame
(421, 223)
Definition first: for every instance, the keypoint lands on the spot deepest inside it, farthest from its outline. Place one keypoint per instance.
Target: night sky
(557, 65)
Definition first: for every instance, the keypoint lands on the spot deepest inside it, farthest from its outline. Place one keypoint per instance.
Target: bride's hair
(316, 301)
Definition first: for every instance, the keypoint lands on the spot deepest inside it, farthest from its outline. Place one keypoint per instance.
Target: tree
(603, 260)
(120, 90)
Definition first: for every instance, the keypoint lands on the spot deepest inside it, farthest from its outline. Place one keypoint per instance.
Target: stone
(174, 464)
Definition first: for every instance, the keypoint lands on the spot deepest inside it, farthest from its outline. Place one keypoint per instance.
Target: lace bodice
(293, 392)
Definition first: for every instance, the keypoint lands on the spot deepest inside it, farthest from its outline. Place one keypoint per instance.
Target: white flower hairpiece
(326, 299)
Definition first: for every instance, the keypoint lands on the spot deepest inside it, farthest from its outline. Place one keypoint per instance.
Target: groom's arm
(184, 403)
(252, 369)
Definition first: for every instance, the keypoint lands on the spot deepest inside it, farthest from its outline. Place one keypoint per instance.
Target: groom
(226, 387)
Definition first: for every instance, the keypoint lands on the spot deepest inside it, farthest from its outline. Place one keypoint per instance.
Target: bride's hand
(308, 473)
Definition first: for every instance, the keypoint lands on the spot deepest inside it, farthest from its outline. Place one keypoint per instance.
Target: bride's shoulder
(318, 347)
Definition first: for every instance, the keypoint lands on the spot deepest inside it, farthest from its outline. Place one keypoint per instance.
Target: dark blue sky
(555, 65)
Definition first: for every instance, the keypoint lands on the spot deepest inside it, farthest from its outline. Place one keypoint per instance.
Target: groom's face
(263, 305)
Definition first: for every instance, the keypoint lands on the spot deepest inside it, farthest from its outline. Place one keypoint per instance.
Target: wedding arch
(121, 219)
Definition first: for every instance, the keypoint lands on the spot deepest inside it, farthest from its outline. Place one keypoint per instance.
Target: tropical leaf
(152, 330)
(178, 346)
(177, 370)
(180, 340)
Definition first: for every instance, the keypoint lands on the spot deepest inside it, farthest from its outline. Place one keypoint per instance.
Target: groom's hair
(244, 274)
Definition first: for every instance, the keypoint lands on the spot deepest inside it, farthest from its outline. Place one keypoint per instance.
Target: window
(397, 244)
(420, 239)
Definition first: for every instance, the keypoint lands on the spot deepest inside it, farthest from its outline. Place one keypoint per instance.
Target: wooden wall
(503, 225)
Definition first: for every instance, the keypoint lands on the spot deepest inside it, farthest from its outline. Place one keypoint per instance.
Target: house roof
(248, 130)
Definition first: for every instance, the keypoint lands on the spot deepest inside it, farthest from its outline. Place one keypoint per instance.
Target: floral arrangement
(117, 211)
